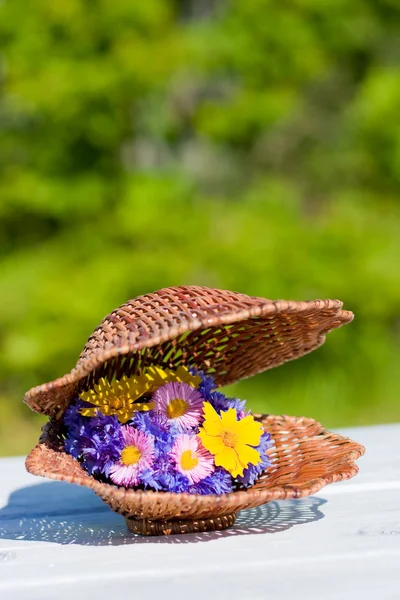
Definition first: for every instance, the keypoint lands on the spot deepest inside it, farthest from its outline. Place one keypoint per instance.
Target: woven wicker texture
(178, 526)
(228, 334)
(305, 458)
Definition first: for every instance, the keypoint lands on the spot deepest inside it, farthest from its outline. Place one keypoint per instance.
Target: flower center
(130, 455)
(188, 461)
(177, 408)
(229, 439)
(116, 403)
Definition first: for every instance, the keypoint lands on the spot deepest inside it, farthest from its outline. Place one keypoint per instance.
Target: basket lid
(227, 334)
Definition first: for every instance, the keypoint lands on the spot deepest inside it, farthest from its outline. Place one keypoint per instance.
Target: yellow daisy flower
(116, 398)
(183, 375)
(230, 440)
(120, 397)
(156, 377)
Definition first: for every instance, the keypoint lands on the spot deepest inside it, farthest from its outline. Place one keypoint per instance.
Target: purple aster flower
(251, 474)
(191, 458)
(180, 403)
(136, 455)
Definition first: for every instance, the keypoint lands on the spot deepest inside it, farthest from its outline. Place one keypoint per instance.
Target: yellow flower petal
(227, 459)
(212, 421)
(143, 406)
(88, 412)
(212, 428)
(157, 373)
(239, 470)
(185, 376)
(249, 431)
(247, 455)
(124, 417)
(212, 443)
(229, 420)
(155, 377)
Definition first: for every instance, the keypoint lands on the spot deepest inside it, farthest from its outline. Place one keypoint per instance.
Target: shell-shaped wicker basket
(228, 335)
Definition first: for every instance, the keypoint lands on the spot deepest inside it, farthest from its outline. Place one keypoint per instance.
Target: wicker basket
(228, 335)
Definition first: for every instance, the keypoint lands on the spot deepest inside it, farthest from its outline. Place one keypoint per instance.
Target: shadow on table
(64, 514)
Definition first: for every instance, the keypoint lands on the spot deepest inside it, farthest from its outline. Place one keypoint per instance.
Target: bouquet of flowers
(166, 430)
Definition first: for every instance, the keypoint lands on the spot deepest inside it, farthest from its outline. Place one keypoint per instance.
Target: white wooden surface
(59, 541)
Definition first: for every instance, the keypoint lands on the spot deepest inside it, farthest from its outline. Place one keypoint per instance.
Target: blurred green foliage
(248, 145)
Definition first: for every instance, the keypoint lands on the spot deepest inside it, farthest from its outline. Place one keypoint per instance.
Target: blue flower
(164, 476)
(73, 420)
(176, 482)
(218, 400)
(219, 482)
(158, 426)
(222, 403)
(151, 422)
(207, 384)
(251, 474)
(97, 442)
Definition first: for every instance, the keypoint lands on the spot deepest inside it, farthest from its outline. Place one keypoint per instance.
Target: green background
(247, 145)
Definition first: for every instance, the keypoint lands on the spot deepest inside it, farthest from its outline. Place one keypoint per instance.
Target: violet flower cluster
(188, 437)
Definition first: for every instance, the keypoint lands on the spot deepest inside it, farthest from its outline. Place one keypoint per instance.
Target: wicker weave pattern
(305, 458)
(225, 333)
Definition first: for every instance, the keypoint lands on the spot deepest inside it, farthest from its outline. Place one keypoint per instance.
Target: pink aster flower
(180, 403)
(137, 454)
(191, 458)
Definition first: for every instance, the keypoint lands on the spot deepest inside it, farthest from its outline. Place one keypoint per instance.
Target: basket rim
(261, 307)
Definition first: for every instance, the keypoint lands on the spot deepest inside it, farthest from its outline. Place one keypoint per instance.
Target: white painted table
(59, 541)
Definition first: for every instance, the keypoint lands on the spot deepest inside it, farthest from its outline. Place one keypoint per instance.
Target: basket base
(147, 527)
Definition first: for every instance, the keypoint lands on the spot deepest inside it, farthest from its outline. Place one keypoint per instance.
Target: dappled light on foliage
(251, 146)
